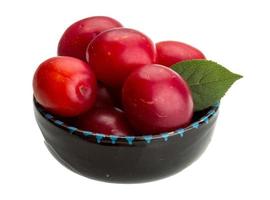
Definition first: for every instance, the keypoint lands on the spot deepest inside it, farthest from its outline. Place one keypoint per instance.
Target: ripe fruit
(114, 54)
(103, 97)
(171, 52)
(77, 37)
(156, 99)
(106, 120)
(65, 86)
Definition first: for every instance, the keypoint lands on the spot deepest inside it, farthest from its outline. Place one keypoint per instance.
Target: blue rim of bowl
(148, 138)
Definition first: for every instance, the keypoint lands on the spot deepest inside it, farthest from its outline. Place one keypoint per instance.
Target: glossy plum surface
(105, 120)
(171, 52)
(114, 54)
(76, 38)
(156, 100)
(65, 86)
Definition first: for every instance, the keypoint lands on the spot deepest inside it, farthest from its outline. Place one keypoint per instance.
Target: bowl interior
(199, 118)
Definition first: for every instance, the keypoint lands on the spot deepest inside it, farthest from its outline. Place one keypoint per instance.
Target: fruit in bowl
(65, 86)
(76, 38)
(171, 52)
(151, 108)
(106, 120)
(155, 93)
(115, 53)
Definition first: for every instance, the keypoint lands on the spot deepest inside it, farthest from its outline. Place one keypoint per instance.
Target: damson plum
(77, 37)
(106, 120)
(156, 99)
(65, 86)
(171, 52)
(115, 53)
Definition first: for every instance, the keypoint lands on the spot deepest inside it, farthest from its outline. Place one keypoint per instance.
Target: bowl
(128, 159)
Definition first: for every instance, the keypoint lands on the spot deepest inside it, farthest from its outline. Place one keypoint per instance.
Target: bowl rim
(205, 119)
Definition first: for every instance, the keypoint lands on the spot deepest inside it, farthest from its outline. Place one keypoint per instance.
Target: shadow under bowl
(130, 159)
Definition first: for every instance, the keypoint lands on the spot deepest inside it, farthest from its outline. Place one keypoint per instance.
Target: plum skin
(65, 86)
(106, 120)
(77, 36)
(115, 53)
(171, 52)
(156, 99)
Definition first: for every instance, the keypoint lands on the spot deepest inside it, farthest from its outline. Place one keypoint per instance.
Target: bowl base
(197, 149)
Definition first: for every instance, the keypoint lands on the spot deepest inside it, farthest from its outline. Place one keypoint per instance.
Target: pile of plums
(114, 80)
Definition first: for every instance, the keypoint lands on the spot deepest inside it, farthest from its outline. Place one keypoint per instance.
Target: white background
(234, 33)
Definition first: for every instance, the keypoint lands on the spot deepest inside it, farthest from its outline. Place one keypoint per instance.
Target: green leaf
(207, 80)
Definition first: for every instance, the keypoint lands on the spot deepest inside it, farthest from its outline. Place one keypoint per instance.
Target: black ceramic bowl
(126, 159)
